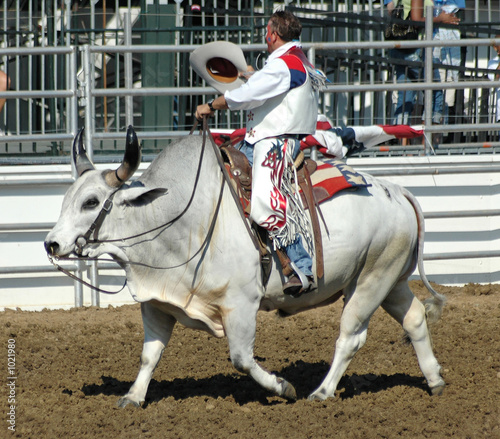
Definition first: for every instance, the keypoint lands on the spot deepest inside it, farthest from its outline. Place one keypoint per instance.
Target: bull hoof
(290, 393)
(314, 397)
(438, 390)
(318, 395)
(287, 390)
(124, 402)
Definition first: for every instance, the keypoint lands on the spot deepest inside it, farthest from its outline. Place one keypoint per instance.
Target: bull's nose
(51, 247)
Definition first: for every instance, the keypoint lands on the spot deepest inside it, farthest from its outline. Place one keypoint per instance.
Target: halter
(83, 240)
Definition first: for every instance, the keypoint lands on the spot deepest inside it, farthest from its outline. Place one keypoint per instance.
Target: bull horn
(130, 163)
(80, 158)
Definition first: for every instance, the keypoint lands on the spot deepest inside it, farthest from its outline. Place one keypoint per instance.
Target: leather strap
(227, 178)
(82, 240)
(307, 189)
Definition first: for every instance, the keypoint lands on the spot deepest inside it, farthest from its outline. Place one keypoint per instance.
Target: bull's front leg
(158, 328)
(240, 326)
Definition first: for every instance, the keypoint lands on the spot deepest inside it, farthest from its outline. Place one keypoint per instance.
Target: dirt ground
(72, 366)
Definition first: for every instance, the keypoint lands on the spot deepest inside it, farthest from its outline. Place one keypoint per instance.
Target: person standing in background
(494, 64)
(4, 86)
(404, 73)
(449, 56)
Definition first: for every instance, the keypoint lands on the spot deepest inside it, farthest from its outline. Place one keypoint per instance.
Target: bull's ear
(138, 195)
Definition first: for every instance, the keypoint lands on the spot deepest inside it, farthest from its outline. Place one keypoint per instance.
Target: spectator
(494, 64)
(406, 98)
(449, 56)
(4, 85)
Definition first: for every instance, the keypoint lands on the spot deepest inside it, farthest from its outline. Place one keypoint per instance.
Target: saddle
(240, 171)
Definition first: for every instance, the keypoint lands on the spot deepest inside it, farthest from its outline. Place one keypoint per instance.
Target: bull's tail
(433, 305)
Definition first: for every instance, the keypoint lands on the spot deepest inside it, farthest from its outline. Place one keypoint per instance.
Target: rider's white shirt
(271, 81)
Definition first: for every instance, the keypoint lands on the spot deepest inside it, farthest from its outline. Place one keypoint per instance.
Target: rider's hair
(286, 25)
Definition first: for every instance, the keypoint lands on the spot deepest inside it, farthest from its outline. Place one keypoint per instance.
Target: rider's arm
(205, 110)
(271, 81)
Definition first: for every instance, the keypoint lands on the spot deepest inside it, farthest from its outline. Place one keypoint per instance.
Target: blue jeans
(437, 96)
(412, 73)
(298, 254)
(295, 251)
(406, 98)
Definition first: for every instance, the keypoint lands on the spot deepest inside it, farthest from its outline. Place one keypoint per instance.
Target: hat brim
(219, 64)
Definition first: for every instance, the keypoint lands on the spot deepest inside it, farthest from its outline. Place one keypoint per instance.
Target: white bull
(202, 269)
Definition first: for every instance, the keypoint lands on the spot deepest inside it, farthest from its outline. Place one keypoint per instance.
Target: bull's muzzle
(51, 247)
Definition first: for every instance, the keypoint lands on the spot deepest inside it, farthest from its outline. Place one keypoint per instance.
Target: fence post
(95, 298)
(87, 100)
(72, 102)
(129, 102)
(428, 76)
(78, 286)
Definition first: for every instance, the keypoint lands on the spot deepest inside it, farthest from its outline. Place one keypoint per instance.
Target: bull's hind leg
(240, 327)
(353, 332)
(403, 306)
(158, 328)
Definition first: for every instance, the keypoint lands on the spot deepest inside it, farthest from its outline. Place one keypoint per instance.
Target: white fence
(459, 193)
(460, 196)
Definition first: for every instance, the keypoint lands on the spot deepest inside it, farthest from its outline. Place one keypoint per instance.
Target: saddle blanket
(334, 176)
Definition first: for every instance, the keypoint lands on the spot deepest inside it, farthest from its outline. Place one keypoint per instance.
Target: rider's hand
(203, 110)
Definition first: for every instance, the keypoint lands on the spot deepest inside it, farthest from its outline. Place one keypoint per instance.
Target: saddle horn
(130, 163)
(80, 158)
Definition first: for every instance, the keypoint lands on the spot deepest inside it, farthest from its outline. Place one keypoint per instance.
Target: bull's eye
(90, 204)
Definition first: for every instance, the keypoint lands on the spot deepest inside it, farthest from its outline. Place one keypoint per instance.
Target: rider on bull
(281, 101)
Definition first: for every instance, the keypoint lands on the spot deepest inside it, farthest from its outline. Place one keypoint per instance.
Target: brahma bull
(188, 257)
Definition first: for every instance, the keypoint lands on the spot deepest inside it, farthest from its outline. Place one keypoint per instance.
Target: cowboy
(281, 101)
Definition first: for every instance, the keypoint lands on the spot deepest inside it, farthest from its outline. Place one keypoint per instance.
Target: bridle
(84, 240)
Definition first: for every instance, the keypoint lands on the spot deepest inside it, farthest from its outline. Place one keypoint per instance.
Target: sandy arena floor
(72, 366)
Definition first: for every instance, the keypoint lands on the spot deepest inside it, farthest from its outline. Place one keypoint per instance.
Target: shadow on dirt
(306, 377)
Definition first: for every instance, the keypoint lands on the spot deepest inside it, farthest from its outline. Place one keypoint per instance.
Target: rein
(81, 258)
(108, 204)
(227, 178)
(79, 279)
(83, 240)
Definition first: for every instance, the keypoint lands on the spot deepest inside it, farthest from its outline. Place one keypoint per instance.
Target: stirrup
(303, 278)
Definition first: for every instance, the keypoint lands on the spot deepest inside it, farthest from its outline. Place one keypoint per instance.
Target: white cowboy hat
(219, 64)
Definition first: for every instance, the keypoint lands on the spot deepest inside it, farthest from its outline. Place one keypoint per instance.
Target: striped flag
(337, 142)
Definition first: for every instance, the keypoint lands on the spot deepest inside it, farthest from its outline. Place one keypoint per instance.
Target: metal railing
(94, 70)
(80, 95)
